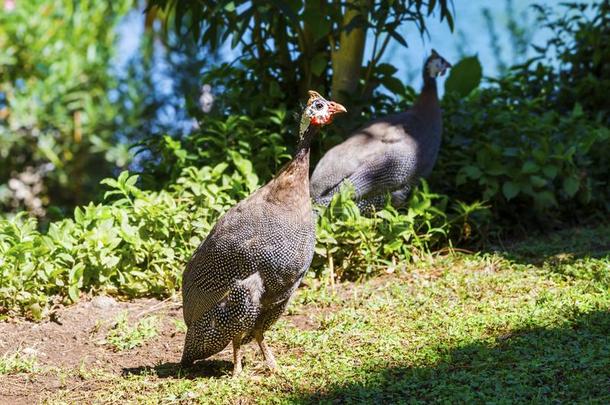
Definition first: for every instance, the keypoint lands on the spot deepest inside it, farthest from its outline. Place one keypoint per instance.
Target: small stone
(30, 351)
(103, 302)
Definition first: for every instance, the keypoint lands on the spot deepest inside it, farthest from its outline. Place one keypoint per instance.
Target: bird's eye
(318, 105)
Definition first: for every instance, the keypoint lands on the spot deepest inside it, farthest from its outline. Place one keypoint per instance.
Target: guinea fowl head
(320, 111)
(435, 65)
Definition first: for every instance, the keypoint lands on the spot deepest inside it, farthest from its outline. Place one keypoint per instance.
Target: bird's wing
(387, 172)
(365, 150)
(220, 261)
(341, 161)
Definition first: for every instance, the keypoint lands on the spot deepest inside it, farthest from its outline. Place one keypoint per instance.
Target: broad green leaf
(510, 190)
(529, 167)
(550, 171)
(73, 292)
(464, 77)
(472, 172)
(571, 185)
(317, 22)
(393, 84)
(537, 181)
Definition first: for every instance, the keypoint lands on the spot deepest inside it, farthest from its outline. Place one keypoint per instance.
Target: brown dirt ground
(72, 342)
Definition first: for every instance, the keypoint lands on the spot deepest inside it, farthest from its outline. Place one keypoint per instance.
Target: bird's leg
(267, 354)
(237, 356)
(189, 344)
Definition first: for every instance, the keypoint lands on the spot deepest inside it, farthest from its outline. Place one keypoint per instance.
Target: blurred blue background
(482, 28)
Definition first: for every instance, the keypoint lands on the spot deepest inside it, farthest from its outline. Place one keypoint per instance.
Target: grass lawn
(528, 323)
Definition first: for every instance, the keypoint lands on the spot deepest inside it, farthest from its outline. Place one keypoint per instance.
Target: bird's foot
(237, 369)
(270, 361)
(267, 353)
(237, 356)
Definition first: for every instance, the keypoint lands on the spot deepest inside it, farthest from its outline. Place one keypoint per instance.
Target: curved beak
(336, 108)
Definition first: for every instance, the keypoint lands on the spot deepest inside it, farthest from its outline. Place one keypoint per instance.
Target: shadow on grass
(578, 253)
(564, 246)
(205, 368)
(538, 365)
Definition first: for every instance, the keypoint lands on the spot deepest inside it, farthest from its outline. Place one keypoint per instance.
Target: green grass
(17, 363)
(507, 327)
(122, 336)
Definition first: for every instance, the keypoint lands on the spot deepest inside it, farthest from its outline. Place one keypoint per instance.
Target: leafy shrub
(534, 143)
(58, 123)
(580, 42)
(138, 243)
(135, 245)
(351, 246)
(253, 147)
(517, 153)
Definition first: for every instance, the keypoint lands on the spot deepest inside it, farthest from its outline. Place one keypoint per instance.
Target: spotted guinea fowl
(240, 279)
(388, 154)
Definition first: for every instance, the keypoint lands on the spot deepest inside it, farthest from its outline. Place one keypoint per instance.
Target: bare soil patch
(73, 342)
(75, 338)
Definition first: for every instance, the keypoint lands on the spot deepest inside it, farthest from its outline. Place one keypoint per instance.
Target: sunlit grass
(491, 327)
(17, 363)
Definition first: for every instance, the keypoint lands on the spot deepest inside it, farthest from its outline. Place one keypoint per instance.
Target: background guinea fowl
(242, 276)
(388, 154)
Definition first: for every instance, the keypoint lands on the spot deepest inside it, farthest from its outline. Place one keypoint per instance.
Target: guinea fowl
(240, 279)
(388, 154)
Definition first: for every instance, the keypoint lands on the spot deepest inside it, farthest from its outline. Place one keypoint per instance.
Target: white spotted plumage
(241, 278)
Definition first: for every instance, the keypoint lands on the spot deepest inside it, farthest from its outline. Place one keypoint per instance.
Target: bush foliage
(521, 146)
(58, 123)
(137, 243)
(534, 143)
(520, 155)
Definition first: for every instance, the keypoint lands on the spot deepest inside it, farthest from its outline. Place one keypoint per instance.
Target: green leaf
(464, 77)
(550, 171)
(317, 22)
(394, 85)
(529, 167)
(78, 215)
(230, 6)
(219, 169)
(571, 185)
(112, 183)
(73, 292)
(123, 177)
(510, 189)
(538, 181)
(398, 38)
(472, 172)
(318, 64)
(386, 69)
(510, 152)
(131, 181)
(36, 311)
(577, 111)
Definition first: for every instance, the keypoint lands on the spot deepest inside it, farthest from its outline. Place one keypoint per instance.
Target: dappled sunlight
(303, 202)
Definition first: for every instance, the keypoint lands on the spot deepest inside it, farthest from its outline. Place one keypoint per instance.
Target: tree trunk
(347, 57)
